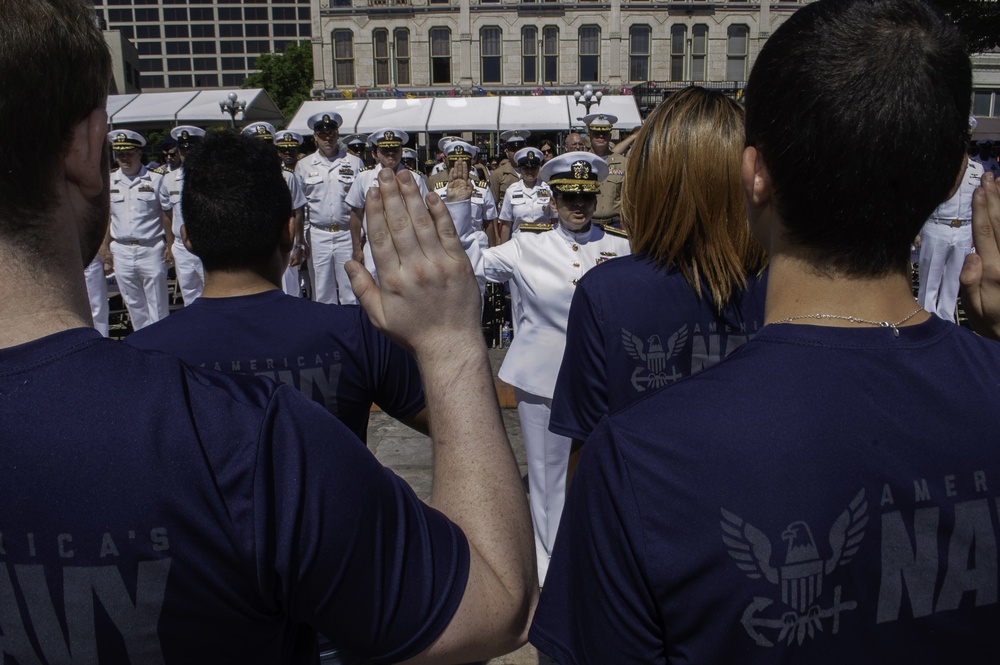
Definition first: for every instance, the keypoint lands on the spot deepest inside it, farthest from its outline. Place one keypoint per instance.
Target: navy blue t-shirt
(156, 513)
(634, 328)
(331, 353)
(826, 495)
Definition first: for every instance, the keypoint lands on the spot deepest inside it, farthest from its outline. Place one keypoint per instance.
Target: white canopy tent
(477, 114)
(349, 109)
(191, 107)
(409, 115)
(467, 114)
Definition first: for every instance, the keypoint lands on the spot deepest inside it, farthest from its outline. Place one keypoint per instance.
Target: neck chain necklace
(855, 319)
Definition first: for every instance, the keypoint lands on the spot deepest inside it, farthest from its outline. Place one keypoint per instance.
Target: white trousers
(548, 457)
(942, 253)
(190, 273)
(97, 290)
(141, 274)
(328, 252)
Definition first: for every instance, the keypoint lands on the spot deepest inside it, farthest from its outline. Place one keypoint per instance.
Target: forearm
(167, 220)
(477, 484)
(356, 229)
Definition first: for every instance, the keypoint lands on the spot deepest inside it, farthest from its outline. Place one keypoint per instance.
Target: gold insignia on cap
(326, 118)
(261, 129)
(459, 150)
(289, 137)
(185, 135)
(121, 137)
(581, 170)
(389, 136)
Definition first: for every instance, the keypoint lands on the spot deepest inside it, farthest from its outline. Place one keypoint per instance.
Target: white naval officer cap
(575, 172)
(358, 140)
(459, 149)
(515, 136)
(528, 157)
(599, 122)
(287, 139)
(260, 130)
(388, 138)
(187, 135)
(445, 140)
(409, 153)
(125, 139)
(324, 121)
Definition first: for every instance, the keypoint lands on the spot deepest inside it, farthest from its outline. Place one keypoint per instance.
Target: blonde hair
(682, 202)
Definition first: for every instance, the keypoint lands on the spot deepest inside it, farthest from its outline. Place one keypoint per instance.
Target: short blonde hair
(682, 201)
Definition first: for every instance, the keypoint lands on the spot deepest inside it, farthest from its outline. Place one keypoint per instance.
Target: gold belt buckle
(134, 242)
(955, 223)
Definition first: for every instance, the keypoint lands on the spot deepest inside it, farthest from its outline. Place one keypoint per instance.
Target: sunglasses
(326, 135)
(546, 151)
(569, 198)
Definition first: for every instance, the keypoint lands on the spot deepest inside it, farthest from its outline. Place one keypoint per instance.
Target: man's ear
(756, 178)
(82, 159)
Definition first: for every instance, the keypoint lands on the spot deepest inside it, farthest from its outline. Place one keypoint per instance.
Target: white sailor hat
(288, 139)
(356, 140)
(575, 172)
(528, 157)
(457, 150)
(187, 135)
(515, 135)
(260, 130)
(445, 140)
(125, 139)
(409, 153)
(325, 121)
(599, 122)
(972, 124)
(388, 138)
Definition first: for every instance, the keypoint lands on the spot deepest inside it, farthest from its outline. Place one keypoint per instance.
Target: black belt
(139, 243)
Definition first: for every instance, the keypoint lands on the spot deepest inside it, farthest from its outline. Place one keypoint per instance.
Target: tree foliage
(287, 77)
(979, 21)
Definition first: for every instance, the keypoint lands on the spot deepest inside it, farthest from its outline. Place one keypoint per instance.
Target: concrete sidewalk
(409, 454)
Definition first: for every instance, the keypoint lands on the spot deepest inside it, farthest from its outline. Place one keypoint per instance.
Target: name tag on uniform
(115, 191)
(313, 174)
(516, 198)
(175, 192)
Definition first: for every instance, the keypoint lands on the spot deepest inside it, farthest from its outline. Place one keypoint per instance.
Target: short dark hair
(55, 69)
(235, 201)
(859, 109)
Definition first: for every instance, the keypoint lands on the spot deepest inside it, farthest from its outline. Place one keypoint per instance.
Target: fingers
(971, 277)
(986, 220)
(367, 292)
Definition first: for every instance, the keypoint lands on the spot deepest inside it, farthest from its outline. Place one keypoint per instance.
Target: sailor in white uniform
(325, 177)
(187, 267)
(388, 144)
(290, 280)
(529, 199)
(137, 233)
(545, 266)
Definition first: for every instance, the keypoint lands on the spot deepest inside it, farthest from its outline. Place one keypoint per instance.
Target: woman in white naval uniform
(528, 199)
(544, 267)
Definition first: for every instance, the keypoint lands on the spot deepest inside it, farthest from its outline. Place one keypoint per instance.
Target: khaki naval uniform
(501, 179)
(609, 200)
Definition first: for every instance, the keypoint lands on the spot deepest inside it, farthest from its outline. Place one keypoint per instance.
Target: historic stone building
(477, 46)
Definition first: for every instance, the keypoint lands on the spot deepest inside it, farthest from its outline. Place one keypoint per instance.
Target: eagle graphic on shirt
(653, 374)
(800, 576)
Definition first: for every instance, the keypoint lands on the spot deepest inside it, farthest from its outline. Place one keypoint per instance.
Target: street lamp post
(232, 106)
(588, 97)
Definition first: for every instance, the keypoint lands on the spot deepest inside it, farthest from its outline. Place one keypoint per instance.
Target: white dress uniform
(544, 267)
(97, 292)
(290, 280)
(325, 183)
(368, 178)
(945, 239)
(137, 243)
(190, 273)
(526, 204)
